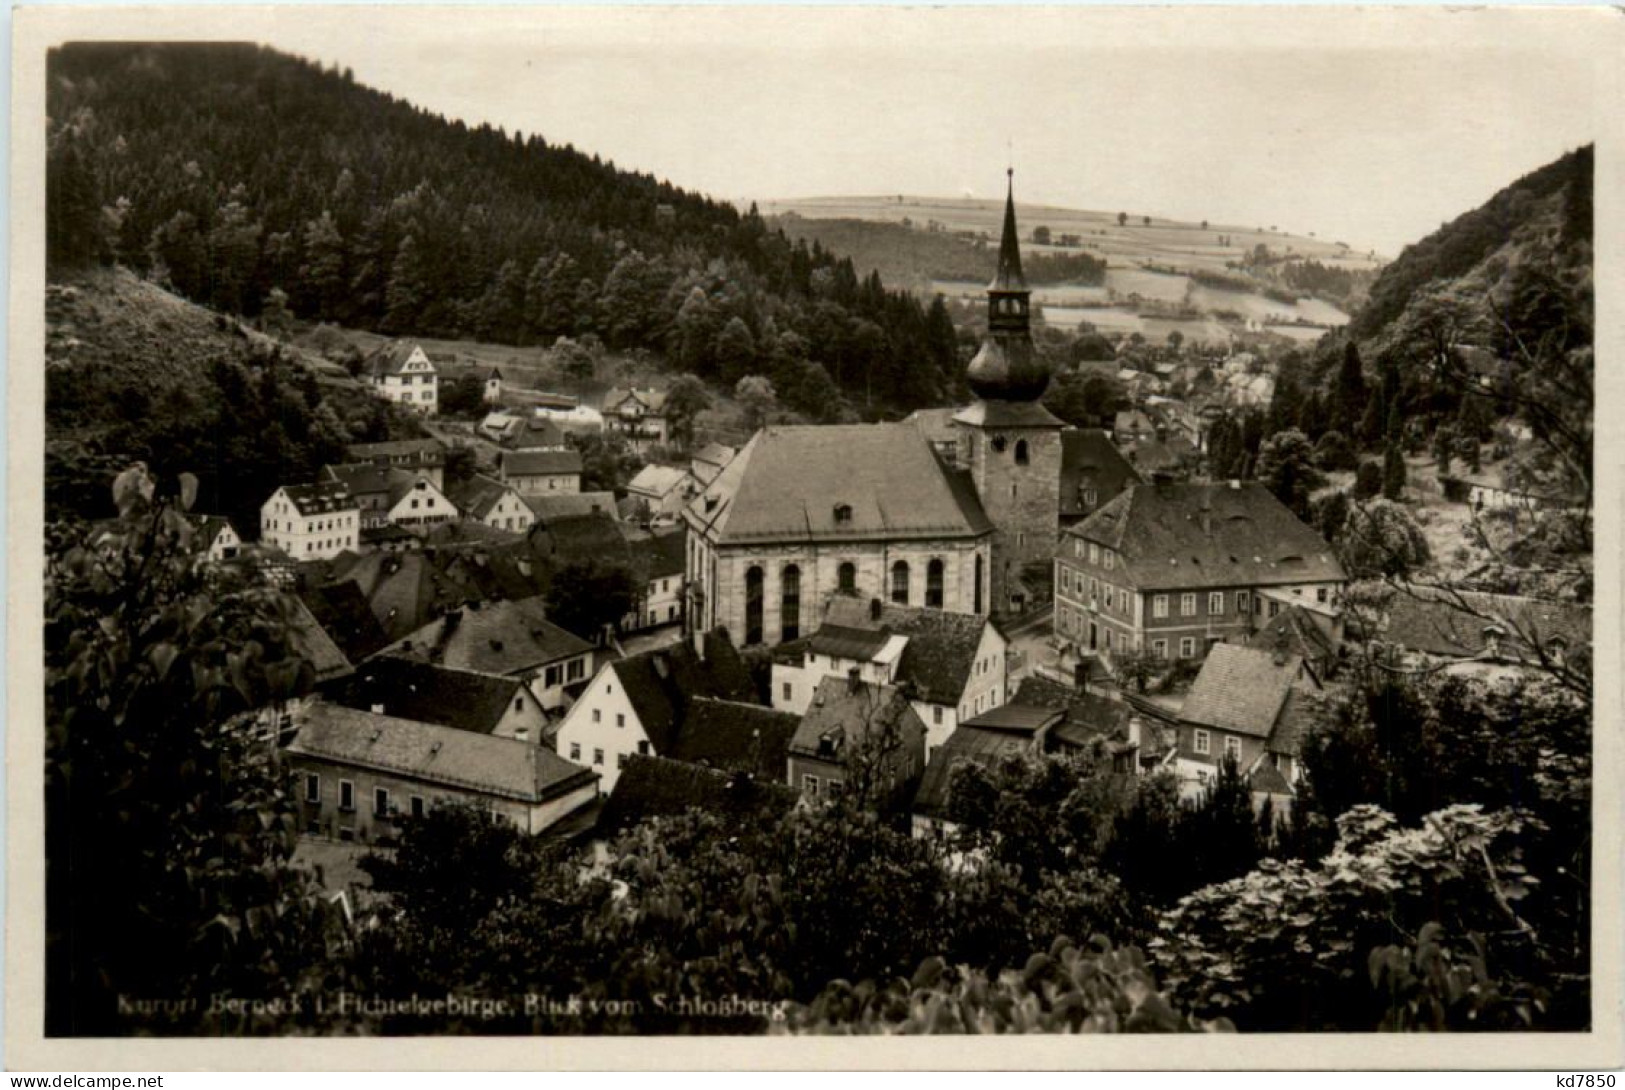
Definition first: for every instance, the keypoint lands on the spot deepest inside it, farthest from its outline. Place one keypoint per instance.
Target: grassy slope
(108, 331)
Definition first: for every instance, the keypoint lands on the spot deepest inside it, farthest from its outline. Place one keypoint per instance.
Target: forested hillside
(1456, 247)
(134, 373)
(229, 171)
(1476, 339)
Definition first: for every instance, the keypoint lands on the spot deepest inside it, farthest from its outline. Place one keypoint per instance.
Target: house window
(753, 605)
(1021, 453)
(346, 796)
(1066, 580)
(789, 692)
(417, 806)
(1275, 609)
(380, 802)
(1203, 742)
(518, 703)
(313, 788)
(790, 602)
(575, 670)
(597, 756)
(1215, 602)
(1094, 553)
(1232, 749)
(834, 788)
(846, 578)
(597, 716)
(1187, 605)
(809, 784)
(936, 715)
(1109, 560)
(620, 719)
(1320, 594)
(575, 751)
(1244, 602)
(620, 761)
(899, 582)
(555, 674)
(1159, 605)
(1159, 648)
(1187, 647)
(643, 748)
(1089, 497)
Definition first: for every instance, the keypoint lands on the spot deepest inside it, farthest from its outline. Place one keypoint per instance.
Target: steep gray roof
(1435, 622)
(970, 744)
(1240, 690)
(1183, 536)
(731, 734)
(429, 694)
(789, 482)
(941, 650)
(495, 638)
(392, 357)
(320, 498)
(1089, 460)
(851, 712)
(501, 767)
(661, 683)
(424, 452)
(477, 495)
(532, 463)
(548, 506)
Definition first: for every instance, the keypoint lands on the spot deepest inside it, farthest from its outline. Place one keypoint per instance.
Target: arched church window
(790, 603)
(977, 607)
(933, 583)
(846, 578)
(1021, 452)
(899, 582)
(753, 605)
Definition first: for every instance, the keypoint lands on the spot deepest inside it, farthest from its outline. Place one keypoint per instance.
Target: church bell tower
(1007, 439)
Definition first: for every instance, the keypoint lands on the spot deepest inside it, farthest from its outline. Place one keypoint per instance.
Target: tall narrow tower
(1010, 443)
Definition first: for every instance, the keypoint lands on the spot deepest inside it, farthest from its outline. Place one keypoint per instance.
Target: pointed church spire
(1009, 277)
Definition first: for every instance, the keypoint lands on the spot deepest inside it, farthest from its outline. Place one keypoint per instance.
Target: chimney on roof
(1136, 731)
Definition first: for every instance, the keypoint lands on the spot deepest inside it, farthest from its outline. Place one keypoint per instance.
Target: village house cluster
(824, 607)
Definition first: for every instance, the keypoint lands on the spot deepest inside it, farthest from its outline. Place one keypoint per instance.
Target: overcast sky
(1368, 127)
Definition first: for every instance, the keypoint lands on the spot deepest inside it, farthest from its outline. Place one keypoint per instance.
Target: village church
(876, 512)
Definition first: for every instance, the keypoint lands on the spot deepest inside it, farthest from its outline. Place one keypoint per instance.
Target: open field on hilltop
(1150, 284)
(1163, 241)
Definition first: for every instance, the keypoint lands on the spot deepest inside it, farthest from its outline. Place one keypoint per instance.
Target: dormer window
(843, 512)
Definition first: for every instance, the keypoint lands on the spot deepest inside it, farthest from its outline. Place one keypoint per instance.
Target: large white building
(311, 521)
(803, 513)
(960, 513)
(404, 374)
